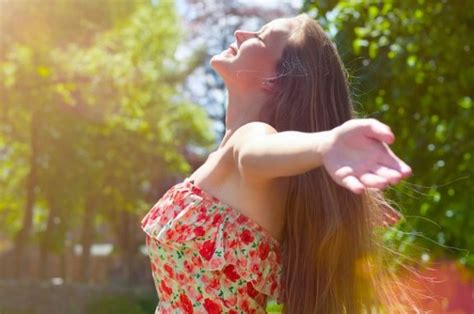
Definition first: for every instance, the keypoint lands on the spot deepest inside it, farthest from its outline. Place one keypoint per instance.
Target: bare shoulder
(253, 128)
(250, 131)
(244, 135)
(258, 126)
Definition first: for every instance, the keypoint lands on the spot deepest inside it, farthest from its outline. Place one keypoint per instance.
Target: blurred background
(105, 104)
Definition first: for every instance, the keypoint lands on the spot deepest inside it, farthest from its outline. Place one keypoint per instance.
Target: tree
(106, 122)
(412, 68)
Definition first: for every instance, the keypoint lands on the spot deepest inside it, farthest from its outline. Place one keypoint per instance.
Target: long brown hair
(332, 261)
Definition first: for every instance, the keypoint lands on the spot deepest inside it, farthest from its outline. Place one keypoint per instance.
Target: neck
(242, 108)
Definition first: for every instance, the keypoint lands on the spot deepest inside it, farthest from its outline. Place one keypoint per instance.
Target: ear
(268, 85)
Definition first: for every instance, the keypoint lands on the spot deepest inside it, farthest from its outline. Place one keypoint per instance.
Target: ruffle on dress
(189, 218)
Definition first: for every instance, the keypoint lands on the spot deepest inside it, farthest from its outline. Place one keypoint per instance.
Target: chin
(221, 65)
(213, 61)
(218, 60)
(218, 64)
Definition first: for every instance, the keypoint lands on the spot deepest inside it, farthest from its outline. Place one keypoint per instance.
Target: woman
(287, 205)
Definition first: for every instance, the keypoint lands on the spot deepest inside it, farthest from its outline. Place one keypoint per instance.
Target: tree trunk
(87, 236)
(22, 238)
(126, 247)
(45, 244)
(63, 264)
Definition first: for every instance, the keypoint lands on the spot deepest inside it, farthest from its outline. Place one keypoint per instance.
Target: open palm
(360, 158)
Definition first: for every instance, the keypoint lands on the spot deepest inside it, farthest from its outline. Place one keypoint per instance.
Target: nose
(241, 35)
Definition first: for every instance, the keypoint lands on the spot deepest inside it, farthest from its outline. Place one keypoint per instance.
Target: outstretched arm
(260, 151)
(355, 154)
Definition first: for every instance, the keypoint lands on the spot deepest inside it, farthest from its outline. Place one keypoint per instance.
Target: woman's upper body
(248, 175)
(251, 167)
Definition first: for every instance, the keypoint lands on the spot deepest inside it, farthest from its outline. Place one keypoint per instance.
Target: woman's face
(253, 56)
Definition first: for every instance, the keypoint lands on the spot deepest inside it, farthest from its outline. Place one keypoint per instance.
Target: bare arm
(260, 151)
(355, 154)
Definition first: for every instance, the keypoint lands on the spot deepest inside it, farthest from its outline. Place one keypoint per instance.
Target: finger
(405, 169)
(379, 131)
(393, 162)
(388, 174)
(344, 172)
(353, 184)
(373, 180)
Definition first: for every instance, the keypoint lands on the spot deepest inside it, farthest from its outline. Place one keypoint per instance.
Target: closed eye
(260, 38)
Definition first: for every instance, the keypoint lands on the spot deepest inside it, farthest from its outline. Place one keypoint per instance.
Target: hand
(358, 156)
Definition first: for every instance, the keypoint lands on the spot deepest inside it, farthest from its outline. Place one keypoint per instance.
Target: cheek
(256, 61)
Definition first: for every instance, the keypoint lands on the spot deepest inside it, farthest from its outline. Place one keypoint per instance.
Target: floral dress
(207, 257)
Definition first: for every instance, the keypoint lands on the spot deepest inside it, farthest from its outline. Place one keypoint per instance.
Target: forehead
(280, 27)
(277, 32)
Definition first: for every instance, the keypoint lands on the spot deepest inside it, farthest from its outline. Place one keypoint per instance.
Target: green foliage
(412, 68)
(273, 307)
(102, 83)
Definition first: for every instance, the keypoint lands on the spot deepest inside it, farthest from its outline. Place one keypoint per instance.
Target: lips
(233, 50)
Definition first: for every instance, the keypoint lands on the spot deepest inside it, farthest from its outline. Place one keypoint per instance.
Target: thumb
(380, 131)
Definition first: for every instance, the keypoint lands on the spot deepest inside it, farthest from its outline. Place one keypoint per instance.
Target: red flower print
(169, 270)
(217, 219)
(273, 286)
(212, 307)
(207, 291)
(251, 290)
(244, 305)
(230, 272)
(170, 234)
(231, 300)
(205, 279)
(255, 268)
(181, 278)
(186, 303)
(181, 203)
(188, 266)
(242, 219)
(246, 236)
(194, 294)
(196, 190)
(155, 214)
(263, 250)
(197, 262)
(180, 229)
(214, 283)
(233, 243)
(165, 289)
(207, 249)
(199, 231)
